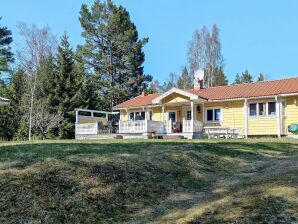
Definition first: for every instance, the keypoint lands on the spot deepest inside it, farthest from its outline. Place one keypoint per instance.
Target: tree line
(46, 79)
(49, 79)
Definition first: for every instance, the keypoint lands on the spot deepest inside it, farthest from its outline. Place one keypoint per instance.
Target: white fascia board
(175, 90)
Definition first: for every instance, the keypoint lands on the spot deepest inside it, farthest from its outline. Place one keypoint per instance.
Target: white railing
(87, 129)
(192, 126)
(133, 126)
(143, 126)
(198, 126)
(156, 126)
(187, 126)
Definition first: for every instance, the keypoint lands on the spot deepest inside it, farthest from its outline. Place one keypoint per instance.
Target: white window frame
(187, 115)
(134, 114)
(267, 115)
(213, 118)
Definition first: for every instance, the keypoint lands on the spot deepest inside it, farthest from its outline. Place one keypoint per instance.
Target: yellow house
(252, 109)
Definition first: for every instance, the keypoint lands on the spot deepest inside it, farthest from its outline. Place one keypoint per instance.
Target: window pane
(262, 109)
(150, 115)
(131, 116)
(95, 114)
(188, 115)
(217, 114)
(271, 108)
(253, 109)
(85, 113)
(209, 115)
(142, 115)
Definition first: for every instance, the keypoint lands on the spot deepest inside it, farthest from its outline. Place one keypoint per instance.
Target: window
(213, 115)
(188, 115)
(85, 113)
(95, 114)
(136, 116)
(217, 114)
(132, 116)
(210, 115)
(262, 109)
(253, 109)
(271, 108)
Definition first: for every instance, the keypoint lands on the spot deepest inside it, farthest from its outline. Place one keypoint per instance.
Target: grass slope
(149, 181)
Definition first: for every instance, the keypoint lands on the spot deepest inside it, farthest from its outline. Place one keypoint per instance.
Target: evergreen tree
(113, 52)
(6, 56)
(237, 79)
(244, 78)
(64, 86)
(261, 77)
(185, 81)
(220, 79)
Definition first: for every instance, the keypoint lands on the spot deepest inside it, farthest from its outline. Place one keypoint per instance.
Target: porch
(147, 128)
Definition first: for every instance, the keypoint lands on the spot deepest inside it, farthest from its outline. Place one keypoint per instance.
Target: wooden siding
(262, 126)
(232, 114)
(83, 120)
(175, 98)
(291, 112)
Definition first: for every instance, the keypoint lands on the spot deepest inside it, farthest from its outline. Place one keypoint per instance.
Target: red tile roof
(138, 101)
(246, 90)
(249, 90)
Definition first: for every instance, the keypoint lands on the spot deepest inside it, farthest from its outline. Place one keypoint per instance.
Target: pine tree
(219, 78)
(113, 51)
(6, 56)
(244, 78)
(237, 79)
(185, 81)
(66, 84)
(261, 77)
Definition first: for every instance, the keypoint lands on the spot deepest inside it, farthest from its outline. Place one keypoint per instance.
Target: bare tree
(204, 52)
(39, 43)
(44, 121)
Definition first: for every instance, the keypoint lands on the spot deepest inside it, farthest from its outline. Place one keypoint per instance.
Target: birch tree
(204, 52)
(38, 44)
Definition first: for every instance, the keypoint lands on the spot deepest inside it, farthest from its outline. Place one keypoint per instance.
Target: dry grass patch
(149, 181)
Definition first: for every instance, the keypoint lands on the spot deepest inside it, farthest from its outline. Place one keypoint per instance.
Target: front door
(172, 116)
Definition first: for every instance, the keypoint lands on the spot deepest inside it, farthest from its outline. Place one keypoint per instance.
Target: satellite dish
(199, 75)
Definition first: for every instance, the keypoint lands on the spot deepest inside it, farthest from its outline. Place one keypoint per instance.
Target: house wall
(291, 113)
(175, 98)
(232, 114)
(267, 125)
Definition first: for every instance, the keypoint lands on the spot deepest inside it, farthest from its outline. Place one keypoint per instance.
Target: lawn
(149, 181)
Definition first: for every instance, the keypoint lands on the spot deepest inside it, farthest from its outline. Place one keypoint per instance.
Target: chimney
(143, 93)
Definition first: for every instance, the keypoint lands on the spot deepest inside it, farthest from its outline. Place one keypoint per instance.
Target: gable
(175, 98)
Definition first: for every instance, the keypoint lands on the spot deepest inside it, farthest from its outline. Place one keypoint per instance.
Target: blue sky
(261, 36)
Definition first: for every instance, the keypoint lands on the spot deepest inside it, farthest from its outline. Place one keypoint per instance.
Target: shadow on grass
(124, 181)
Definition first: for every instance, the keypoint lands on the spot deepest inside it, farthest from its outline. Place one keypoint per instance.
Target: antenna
(199, 78)
(199, 75)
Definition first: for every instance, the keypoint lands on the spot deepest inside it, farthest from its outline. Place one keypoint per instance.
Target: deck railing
(86, 129)
(146, 126)
(132, 126)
